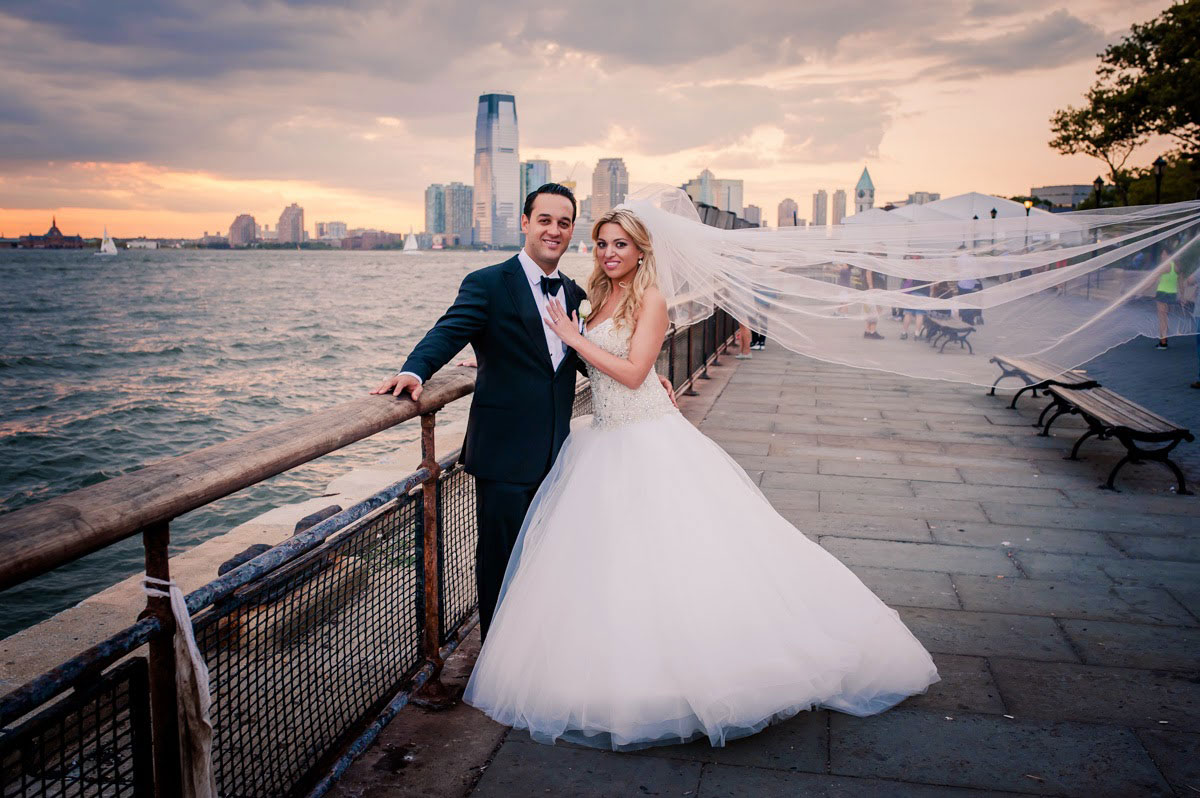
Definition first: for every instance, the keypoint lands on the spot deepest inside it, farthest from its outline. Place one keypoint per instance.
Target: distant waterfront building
(243, 231)
(141, 243)
(583, 224)
(820, 214)
(435, 209)
(458, 213)
(754, 214)
(723, 194)
(291, 225)
(1062, 197)
(788, 213)
(610, 185)
(534, 174)
(53, 239)
(497, 172)
(922, 197)
(330, 232)
(267, 234)
(864, 193)
(839, 206)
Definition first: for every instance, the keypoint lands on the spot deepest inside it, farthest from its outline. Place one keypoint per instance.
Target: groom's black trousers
(500, 509)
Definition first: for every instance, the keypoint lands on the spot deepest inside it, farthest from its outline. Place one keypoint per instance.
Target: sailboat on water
(410, 244)
(108, 246)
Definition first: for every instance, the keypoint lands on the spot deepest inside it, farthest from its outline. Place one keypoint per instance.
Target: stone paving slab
(989, 634)
(817, 524)
(985, 751)
(967, 685)
(1050, 497)
(842, 502)
(1177, 756)
(529, 768)
(888, 471)
(729, 782)
(856, 485)
(1158, 548)
(1069, 541)
(1071, 600)
(921, 556)
(1088, 518)
(900, 588)
(1131, 697)
(1135, 645)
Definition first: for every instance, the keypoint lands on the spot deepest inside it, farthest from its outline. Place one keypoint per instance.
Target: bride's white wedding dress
(655, 596)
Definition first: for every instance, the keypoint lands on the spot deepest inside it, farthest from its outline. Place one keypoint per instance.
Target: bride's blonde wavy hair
(646, 276)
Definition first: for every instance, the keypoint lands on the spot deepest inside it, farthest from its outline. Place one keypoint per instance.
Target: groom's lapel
(518, 290)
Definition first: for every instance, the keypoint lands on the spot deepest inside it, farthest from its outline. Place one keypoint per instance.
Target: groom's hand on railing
(399, 384)
(670, 389)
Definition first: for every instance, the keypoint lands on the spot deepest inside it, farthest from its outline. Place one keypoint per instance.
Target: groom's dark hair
(551, 188)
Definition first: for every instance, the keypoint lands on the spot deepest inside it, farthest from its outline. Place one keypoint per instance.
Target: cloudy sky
(169, 117)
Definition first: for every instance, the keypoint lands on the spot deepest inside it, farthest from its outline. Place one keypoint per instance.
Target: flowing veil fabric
(1063, 286)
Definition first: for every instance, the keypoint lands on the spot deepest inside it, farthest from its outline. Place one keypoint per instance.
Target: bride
(654, 595)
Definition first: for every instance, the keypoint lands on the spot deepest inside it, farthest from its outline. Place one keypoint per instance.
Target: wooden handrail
(41, 537)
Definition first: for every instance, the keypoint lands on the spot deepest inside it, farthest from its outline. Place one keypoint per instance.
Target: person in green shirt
(1165, 295)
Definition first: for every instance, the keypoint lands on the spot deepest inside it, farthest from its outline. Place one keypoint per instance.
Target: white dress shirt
(533, 274)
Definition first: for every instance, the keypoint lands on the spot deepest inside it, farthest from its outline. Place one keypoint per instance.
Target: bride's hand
(564, 326)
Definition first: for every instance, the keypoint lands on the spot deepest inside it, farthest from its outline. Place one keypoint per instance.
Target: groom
(525, 388)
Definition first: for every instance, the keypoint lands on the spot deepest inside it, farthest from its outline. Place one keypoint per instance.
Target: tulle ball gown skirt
(656, 597)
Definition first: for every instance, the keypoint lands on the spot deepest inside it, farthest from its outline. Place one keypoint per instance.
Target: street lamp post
(993, 214)
(1160, 166)
(1098, 183)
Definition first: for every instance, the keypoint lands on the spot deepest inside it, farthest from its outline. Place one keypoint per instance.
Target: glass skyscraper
(497, 217)
(435, 209)
(534, 175)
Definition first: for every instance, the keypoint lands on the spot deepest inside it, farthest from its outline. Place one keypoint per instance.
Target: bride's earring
(640, 261)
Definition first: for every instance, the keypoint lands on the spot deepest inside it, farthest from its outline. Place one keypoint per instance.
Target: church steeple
(864, 193)
(53, 231)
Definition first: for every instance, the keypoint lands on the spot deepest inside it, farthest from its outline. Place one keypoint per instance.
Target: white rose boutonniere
(584, 310)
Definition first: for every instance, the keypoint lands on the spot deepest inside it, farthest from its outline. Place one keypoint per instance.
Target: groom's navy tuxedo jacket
(521, 412)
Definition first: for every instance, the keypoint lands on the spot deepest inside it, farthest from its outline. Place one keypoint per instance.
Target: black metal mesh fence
(94, 742)
(301, 659)
(679, 358)
(456, 541)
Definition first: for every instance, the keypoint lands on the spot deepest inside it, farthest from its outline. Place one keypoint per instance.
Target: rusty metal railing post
(704, 353)
(164, 697)
(434, 694)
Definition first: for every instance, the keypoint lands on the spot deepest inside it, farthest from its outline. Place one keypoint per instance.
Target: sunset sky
(168, 118)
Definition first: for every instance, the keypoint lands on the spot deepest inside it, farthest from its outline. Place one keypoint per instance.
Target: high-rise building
(497, 172)
(291, 225)
(839, 206)
(820, 214)
(534, 175)
(788, 212)
(610, 185)
(864, 193)
(243, 231)
(458, 212)
(583, 224)
(435, 209)
(330, 231)
(723, 194)
(753, 214)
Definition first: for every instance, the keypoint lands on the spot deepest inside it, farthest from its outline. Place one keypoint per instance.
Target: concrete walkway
(1063, 619)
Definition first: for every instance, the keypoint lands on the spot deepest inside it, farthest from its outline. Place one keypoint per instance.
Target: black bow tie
(550, 285)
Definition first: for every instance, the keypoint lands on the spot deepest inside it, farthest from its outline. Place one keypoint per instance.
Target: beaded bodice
(613, 404)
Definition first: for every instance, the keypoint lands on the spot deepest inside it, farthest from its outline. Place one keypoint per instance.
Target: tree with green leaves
(1148, 83)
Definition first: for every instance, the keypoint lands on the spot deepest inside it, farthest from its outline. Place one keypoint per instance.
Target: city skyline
(159, 141)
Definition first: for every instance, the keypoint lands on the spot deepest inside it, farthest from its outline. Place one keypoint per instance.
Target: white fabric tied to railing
(191, 680)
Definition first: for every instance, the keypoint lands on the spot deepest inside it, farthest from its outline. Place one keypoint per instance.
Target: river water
(107, 364)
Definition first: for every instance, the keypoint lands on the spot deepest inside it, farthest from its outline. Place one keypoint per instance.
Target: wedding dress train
(655, 596)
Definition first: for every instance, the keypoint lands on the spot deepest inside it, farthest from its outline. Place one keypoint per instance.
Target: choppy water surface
(107, 364)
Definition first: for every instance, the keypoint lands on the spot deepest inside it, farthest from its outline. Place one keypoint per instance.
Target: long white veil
(1064, 287)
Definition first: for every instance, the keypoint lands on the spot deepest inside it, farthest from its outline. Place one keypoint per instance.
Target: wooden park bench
(1038, 373)
(947, 330)
(1110, 415)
